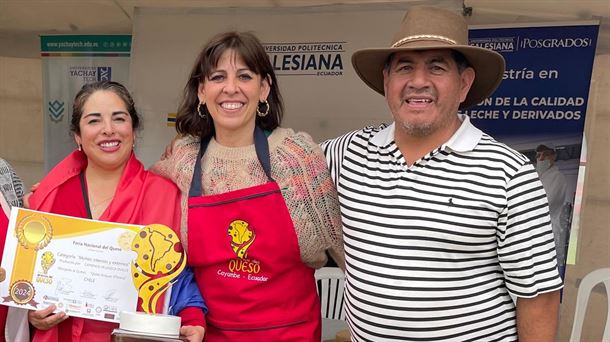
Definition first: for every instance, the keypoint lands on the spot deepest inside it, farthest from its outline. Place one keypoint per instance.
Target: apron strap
(262, 151)
(195, 190)
(261, 146)
(83, 188)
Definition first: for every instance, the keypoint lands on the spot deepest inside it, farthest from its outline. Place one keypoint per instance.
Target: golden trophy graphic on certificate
(160, 260)
(92, 269)
(46, 261)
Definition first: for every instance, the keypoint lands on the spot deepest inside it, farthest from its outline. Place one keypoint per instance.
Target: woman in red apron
(262, 209)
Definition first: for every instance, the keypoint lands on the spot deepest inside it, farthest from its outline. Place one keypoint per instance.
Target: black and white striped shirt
(11, 186)
(433, 250)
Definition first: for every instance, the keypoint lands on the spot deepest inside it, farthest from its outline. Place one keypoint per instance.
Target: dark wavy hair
(88, 89)
(250, 49)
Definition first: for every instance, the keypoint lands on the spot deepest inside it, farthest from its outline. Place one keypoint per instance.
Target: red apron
(244, 251)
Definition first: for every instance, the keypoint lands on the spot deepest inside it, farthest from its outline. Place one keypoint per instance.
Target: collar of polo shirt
(463, 140)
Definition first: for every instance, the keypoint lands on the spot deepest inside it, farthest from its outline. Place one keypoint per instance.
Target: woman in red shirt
(103, 180)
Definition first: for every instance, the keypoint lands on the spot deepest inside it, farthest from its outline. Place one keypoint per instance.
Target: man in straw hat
(441, 222)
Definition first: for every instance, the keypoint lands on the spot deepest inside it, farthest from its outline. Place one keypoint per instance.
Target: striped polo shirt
(433, 249)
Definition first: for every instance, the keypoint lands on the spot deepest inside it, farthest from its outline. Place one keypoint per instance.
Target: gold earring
(267, 107)
(201, 115)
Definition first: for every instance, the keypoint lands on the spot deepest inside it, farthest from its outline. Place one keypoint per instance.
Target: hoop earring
(258, 111)
(201, 115)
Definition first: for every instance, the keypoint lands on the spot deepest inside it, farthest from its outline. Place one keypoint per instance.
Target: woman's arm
(323, 211)
(186, 301)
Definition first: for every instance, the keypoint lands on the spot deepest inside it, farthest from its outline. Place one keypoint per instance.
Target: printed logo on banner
(512, 44)
(498, 44)
(89, 74)
(307, 58)
(104, 73)
(56, 110)
(554, 43)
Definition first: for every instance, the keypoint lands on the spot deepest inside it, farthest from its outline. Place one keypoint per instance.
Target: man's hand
(45, 319)
(192, 333)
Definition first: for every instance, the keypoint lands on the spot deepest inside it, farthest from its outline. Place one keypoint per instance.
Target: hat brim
(488, 65)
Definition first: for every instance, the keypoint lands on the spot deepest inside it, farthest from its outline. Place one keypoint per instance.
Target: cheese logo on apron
(242, 238)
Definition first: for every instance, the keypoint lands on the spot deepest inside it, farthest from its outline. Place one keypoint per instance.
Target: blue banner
(540, 107)
(546, 82)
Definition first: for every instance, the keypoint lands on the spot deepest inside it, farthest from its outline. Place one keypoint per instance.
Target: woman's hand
(2, 274)
(45, 319)
(26, 198)
(193, 333)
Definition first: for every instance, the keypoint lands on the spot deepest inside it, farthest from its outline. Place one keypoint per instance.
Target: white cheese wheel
(143, 323)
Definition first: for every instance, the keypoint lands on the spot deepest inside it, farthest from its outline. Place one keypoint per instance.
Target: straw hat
(425, 28)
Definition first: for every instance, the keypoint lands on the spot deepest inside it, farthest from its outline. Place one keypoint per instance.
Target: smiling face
(106, 131)
(424, 90)
(231, 93)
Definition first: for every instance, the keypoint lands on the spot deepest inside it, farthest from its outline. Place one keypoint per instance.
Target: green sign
(85, 43)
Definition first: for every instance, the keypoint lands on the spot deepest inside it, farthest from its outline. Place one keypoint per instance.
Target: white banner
(310, 48)
(68, 62)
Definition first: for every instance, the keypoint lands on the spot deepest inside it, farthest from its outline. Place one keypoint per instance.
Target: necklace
(99, 203)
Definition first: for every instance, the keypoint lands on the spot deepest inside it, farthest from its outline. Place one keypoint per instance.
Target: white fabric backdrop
(166, 42)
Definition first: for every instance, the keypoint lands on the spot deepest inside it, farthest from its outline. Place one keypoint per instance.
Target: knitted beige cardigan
(297, 165)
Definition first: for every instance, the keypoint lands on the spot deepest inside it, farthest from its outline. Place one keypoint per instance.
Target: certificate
(82, 266)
